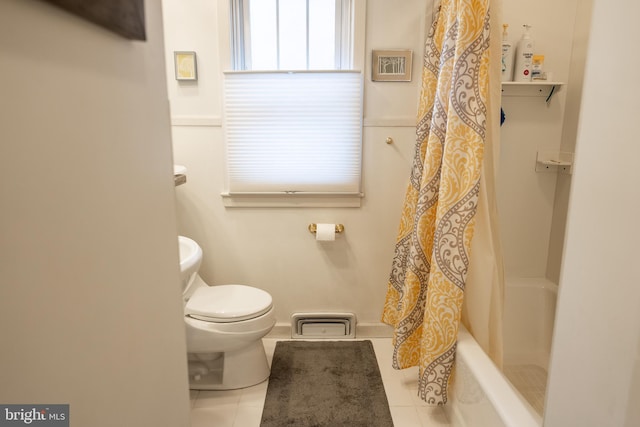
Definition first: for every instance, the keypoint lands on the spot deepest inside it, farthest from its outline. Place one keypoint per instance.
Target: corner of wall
(569, 136)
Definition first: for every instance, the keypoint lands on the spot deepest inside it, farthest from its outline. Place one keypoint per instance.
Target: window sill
(292, 200)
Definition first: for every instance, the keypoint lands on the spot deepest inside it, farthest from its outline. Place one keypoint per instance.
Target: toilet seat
(228, 303)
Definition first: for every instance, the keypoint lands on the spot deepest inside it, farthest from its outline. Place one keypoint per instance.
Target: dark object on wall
(124, 17)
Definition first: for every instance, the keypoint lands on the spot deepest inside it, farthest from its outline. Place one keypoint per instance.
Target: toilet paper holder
(313, 228)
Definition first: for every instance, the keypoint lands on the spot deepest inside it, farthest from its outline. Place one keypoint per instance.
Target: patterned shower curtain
(426, 286)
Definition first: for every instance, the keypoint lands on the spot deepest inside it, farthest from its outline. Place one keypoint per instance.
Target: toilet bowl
(224, 328)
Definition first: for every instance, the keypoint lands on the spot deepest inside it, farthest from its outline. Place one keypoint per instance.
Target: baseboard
(363, 330)
(373, 330)
(280, 331)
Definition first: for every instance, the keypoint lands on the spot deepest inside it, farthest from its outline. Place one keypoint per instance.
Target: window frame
(355, 33)
(241, 42)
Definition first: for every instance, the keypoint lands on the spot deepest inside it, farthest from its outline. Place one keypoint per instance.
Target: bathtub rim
(505, 399)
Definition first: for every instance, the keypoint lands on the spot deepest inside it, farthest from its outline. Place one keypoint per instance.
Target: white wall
(90, 308)
(569, 134)
(272, 249)
(594, 377)
(525, 197)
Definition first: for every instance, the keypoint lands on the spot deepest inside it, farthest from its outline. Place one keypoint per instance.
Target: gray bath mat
(325, 383)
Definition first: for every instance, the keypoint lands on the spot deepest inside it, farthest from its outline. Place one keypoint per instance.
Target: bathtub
(484, 396)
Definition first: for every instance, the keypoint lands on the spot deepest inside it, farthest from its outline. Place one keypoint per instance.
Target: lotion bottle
(524, 57)
(507, 55)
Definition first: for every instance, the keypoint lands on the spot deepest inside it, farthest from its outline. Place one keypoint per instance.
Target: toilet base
(234, 369)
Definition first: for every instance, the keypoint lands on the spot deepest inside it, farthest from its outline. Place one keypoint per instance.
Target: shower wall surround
(271, 248)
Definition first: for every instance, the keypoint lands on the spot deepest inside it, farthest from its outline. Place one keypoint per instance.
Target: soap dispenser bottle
(507, 55)
(524, 56)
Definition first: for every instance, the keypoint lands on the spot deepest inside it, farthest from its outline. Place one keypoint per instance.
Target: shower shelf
(554, 161)
(537, 88)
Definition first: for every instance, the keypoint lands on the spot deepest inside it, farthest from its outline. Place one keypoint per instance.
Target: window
(292, 34)
(293, 104)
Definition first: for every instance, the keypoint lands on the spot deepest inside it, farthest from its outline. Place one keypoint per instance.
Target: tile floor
(243, 408)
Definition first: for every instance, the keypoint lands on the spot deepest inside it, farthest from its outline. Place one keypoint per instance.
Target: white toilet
(225, 324)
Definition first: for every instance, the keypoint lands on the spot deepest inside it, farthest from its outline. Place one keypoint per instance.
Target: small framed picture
(391, 65)
(185, 63)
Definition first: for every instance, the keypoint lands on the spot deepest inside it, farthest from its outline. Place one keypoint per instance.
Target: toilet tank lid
(228, 303)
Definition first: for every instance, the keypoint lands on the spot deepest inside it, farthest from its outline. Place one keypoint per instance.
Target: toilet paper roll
(326, 232)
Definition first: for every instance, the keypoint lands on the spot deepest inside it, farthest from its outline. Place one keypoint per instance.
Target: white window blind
(290, 133)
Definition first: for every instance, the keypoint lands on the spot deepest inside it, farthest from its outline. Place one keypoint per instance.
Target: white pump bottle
(524, 57)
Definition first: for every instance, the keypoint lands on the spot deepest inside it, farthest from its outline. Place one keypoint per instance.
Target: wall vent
(323, 325)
